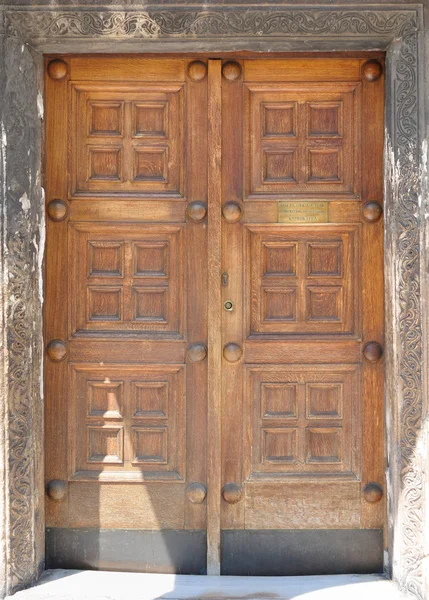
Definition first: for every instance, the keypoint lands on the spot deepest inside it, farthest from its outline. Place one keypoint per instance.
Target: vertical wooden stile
(214, 318)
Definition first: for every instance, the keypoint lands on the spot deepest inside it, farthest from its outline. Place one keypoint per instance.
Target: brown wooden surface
(302, 410)
(127, 293)
(292, 418)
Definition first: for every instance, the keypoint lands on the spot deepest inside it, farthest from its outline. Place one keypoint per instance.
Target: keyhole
(228, 305)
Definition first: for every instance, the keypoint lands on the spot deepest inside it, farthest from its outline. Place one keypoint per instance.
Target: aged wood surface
(197, 343)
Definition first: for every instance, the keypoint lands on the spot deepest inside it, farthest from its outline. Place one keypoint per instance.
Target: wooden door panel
(304, 281)
(126, 138)
(127, 295)
(301, 402)
(302, 420)
(127, 423)
(131, 279)
(302, 140)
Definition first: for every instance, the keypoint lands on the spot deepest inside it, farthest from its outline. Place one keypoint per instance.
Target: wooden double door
(214, 314)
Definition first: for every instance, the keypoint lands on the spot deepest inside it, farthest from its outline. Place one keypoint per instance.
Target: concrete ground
(102, 585)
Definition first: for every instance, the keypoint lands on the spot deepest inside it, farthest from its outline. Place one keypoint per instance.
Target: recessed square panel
(279, 400)
(104, 164)
(149, 304)
(279, 445)
(279, 119)
(105, 444)
(150, 164)
(324, 165)
(150, 119)
(324, 304)
(324, 445)
(279, 259)
(150, 445)
(279, 166)
(324, 119)
(105, 399)
(279, 304)
(104, 303)
(105, 118)
(325, 259)
(324, 400)
(105, 259)
(150, 259)
(149, 400)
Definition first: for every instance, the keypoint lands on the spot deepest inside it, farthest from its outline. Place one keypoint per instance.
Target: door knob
(373, 492)
(57, 350)
(232, 493)
(196, 492)
(196, 211)
(56, 489)
(197, 352)
(232, 352)
(372, 352)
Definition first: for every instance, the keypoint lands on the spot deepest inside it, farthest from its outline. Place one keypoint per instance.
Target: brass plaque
(303, 212)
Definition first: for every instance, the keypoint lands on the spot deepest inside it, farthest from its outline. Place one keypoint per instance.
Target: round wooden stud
(231, 70)
(372, 352)
(196, 493)
(372, 70)
(232, 352)
(231, 212)
(57, 350)
(373, 492)
(56, 489)
(57, 69)
(57, 210)
(372, 211)
(197, 70)
(197, 352)
(196, 211)
(232, 493)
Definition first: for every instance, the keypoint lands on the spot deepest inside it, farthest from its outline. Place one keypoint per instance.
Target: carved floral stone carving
(274, 21)
(403, 191)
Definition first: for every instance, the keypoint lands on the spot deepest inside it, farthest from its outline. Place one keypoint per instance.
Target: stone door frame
(27, 33)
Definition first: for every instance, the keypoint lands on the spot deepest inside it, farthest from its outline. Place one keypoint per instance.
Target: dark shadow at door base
(181, 552)
(302, 552)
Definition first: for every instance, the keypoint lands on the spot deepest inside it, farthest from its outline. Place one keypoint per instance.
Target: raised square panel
(324, 165)
(279, 259)
(324, 400)
(324, 445)
(105, 399)
(150, 259)
(104, 303)
(150, 399)
(325, 259)
(104, 164)
(150, 164)
(324, 119)
(279, 120)
(105, 118)
(149, 304)
(279, 304)
(279, 445)
(150, 445)
(279, 166)
(324, 304)
(150, 119)
(279, 400)
(105, 444)
(105, 259)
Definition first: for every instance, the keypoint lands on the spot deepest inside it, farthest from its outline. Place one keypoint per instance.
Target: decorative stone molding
(395, 27)
(273, 21)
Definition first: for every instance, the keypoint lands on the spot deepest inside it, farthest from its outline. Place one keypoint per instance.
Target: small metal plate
(303, 212)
